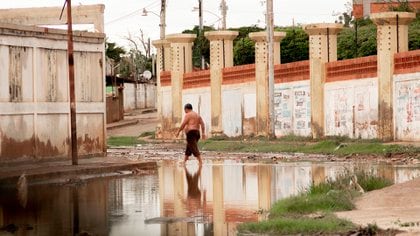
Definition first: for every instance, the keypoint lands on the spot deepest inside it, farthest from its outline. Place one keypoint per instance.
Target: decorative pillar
(392, 37)
(163, 62)
(221, 56)
(261, 74)
(322, 49)
(181, 53)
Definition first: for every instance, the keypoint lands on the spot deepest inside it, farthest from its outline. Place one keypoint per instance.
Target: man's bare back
(192, 121)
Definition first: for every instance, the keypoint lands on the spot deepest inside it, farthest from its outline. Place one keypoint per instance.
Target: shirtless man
(191, 126)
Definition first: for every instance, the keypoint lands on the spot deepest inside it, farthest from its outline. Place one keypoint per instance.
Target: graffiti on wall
(292, 109)
(351, 108)
(407, 109)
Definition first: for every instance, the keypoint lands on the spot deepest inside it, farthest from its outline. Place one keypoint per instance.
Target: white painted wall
(351, 108)
(407, 107)
(238, 101)
(292, 107)
(146, 96)
(201, 101)
(37, 125)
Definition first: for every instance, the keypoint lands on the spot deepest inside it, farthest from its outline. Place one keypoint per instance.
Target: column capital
(322, 28)
(161, 43)
(181, 38)
(262, 36)
(221, 35)
(390, 18)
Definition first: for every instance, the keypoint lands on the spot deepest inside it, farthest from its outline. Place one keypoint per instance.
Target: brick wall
(197, 79)
(358, 68)
(358, 11)
(377, 7)
(290, 72)
(407, 62)
(165, 78)
(239, 74)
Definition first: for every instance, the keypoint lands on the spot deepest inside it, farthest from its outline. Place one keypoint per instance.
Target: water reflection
(208, 200)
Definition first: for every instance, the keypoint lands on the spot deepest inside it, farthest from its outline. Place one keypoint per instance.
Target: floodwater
(174, 200)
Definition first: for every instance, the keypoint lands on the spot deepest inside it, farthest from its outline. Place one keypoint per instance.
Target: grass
(292, 226)
(289, 145)
(124, 141)
(293, 215)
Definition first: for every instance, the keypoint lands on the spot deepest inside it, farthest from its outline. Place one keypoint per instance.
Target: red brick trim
(358, 11)
(358, 68)
(165, 78)
(290, 72)
(407, 62)
(377, 7)
(197, 79)
(239, 74)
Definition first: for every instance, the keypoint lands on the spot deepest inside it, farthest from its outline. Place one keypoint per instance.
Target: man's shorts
(192, 139)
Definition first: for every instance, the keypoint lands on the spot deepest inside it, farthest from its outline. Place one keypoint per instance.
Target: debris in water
(22, 190)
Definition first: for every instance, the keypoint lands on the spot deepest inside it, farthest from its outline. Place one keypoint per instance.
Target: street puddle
(175, 200)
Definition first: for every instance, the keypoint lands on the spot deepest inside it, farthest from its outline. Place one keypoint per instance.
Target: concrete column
(221, 56)
(181, 51)
(322, 49)
(261, 74)
(392, 31)
(162, 48)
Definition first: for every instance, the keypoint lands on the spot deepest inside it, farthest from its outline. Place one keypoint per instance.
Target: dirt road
(395, 207)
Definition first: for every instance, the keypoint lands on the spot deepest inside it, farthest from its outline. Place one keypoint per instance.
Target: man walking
(191, 126)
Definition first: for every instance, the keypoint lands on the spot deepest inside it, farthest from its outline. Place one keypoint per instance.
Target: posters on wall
(351, 109)
(292, 109)
(407, 109)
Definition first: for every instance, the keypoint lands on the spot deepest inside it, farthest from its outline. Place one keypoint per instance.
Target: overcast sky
(180, 15)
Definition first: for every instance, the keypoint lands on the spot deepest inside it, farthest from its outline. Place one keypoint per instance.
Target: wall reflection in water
(228, 193)
(211, 200)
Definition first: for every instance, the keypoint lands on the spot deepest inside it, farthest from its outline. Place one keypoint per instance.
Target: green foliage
(365, 45)
(414, 34)
(113, 51)
(244, 52)
(295, 46)
(201, 45)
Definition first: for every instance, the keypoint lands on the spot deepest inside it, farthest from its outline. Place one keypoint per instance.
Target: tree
(295, 46)
(243, 46)
(113, 51)
(201, 45)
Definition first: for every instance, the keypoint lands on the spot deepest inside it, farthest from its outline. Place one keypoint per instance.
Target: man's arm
(203, 128)
(184, 123)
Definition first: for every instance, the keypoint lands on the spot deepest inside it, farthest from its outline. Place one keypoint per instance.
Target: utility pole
(162, 24)
(201, 32)
(223, 10)
(270, 40)
(73, 124)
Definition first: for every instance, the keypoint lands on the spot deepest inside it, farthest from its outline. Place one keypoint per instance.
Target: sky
(124, 17)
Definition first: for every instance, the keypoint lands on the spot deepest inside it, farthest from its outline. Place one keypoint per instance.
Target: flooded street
(174, 200)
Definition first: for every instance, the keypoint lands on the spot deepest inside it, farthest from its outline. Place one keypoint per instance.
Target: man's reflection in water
(194, 204)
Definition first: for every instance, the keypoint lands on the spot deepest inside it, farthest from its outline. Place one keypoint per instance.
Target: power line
(132, 13)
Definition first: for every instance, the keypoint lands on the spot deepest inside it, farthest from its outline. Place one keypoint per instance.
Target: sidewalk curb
(41, 174)
(122, 124)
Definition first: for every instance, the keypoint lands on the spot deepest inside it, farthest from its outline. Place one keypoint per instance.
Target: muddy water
(211, 200)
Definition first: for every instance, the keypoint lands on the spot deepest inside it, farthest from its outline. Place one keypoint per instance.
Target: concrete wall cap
(220, 35)
(160, 43)
(262, 36)
(321, 28)
(386, 18)
(181, 38)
